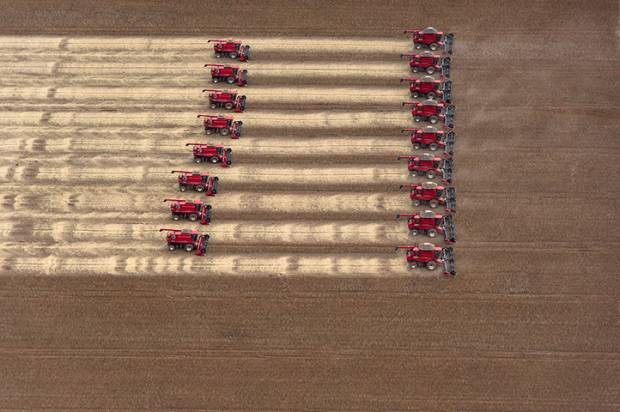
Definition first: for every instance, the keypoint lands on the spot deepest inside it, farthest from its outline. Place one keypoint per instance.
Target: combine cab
(429, 88)
(224, 125)
(190, 240)
(211, 153)
(431, 224)
(430, 38)
(431, 138)
(430, 193)
(228, 73)
(430, 256)
(428, 62)
(231, 48)
(228, 99)
(192, 210)
(200, 182)
(433, 112)
(429, 166)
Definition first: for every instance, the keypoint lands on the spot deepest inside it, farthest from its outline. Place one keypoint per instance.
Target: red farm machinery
(190, 240)
(432, 111)
(429, 166)
(212, 153)
(231, 48)
(430, 256)
(193, 210)
(227, 99)
(428, 62)
(430, 88)
(230, 74)
(224, 125)
(432, 139)
(200, 182)
(430, 38)
(432, 194)
(430, 224)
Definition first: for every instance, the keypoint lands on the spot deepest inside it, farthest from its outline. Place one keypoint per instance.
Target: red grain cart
(228, 73)
(190, 209)
(430, 138)
(430, 88)
(428, 62)
(430, 38)
(200, 182)
(430, 193)
(190, 240)
(211, 153)
(429, 166)
(228, 99)
(231, 48)
(224, 125)
(430, 224)
(433, 112)
(430, 256)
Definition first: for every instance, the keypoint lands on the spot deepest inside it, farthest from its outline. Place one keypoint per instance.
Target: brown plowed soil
(301, 302)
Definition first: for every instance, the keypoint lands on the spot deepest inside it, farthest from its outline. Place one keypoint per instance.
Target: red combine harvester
(429, 166)
(432, 111)
(429, 63)
(186, 239)
(431, 224)
(228, 99)
(431, 138)
(211, 153)
(430, 38)
(228, 73)
(430, 256)
(429, 88)
(430, 193)
(200, 182)
(192, 210)
(231, 48)
(224, 125)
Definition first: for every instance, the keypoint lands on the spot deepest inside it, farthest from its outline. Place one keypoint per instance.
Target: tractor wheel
(415, 69)
(415, 95)
(228, 106)
(198, 160)
(214, 159)
(200, 188)
(418, 46)
(189, 247)
(193, 217)
(176, 217)
(230, 80)
(417, 146)
(215, 80)
(431, 233)
(430, 70)
(414, 232)
(209, 131)
(433, 203)
(430, 174)
(431, 265)
(432, 146)
(417, 119)
(218, 55)
(413, 265)
(416, 202)
(433, 119)
(171, 247)
(182, 188)
(224, 132)
(213, 106)
(434, 46)
(431, 95)
(233, 55)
